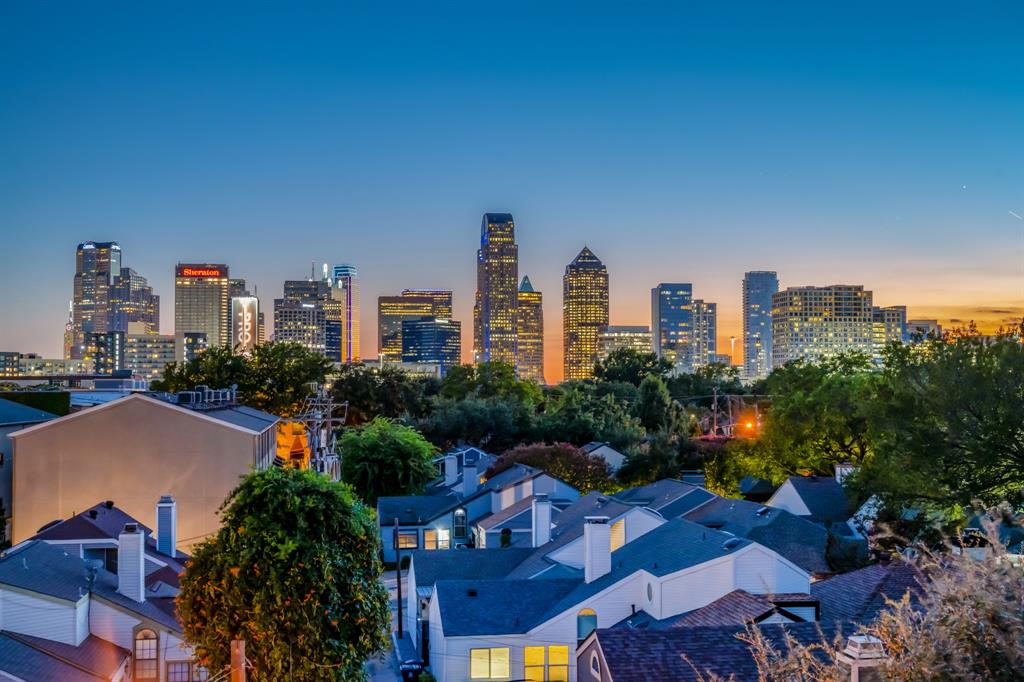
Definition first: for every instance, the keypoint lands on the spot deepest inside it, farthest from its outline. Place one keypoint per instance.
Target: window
(595, 663)
(179, 672)
(200, 673)
(557, 668)
(618, 534)
(650, 593)
(146, 656)
(460, 523)
(408, 539)
(533, 658)
(437, 538)
(489, 664)
(586, 622)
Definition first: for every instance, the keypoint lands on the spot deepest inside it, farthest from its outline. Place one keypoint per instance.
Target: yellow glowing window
(533, 660)
(486, 664)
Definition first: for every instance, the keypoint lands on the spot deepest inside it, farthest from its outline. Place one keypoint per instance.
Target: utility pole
(714, 411)
(238, 660)
(398, 572)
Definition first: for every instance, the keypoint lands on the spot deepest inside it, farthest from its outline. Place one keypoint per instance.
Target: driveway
(384, 668)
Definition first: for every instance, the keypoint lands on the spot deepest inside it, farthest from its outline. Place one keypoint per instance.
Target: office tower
(146, 355)
(889, 324)
(202, 305)
(96, 264)
(495, 327)
(530, 332)
(758, 288)
(10, 363)
(237, 288)
(922, 329)
(617, 337)
(69, 331)
(813, 323)
(345, 292)
(429, 340)
(672, 322)
(584, 313)
(133, 300)
(302, 317)
(192, 344)
(704, 340)
(108, 352)
(413, 304)
(441, 301)
(245, 323)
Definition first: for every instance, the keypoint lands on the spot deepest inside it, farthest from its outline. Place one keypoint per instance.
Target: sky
(862, 143)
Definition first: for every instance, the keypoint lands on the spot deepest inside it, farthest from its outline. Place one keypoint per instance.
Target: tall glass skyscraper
(441, 301)
(530, 314)
(704, 340)
(758, 288)
(429, 340)
(345, 290)
(495, 326)
(584, 313)
(392, 311)
(302, 316)
(202, 305)
(814, 323)
(672, 321)
(96, 266)
(133, 300)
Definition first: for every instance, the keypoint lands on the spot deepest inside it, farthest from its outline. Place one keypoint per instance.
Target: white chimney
(597, 548)
(131, 562)
(541, 521)
(862, 658)
(451, 469)
(470, 480)
(843, 470)
(167, 525)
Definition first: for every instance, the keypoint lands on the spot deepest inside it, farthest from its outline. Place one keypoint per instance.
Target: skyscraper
(96, 265)
(889, 325)
(133, 300)
(814, 323)
(617, 337)
(584, 313)
(433, 341)
(758, 288)
(302, 317)
(345, 291)
(530, 332)
(391, 312)
(442, 300)
(672, 322)
(704, 340)
(202, 305)
(237, 288)
(495, 326)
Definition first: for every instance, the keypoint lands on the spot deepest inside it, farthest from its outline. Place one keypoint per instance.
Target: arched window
(459, 525)
(586, 622)
(595, 663)
(146, 664)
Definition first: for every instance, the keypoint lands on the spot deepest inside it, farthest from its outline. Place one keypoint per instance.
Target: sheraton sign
(201, 271)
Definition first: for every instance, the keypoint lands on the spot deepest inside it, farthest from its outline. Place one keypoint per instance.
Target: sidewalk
(385, 668)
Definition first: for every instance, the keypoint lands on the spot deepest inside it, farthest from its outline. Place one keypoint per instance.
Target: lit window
(146, 656)
(487, 664)
(460, 523)
(179, 672)
(533, 660)
(408, 539)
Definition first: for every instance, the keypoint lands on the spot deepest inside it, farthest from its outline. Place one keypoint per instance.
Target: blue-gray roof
(667, 491)
(824, 496)
(29, 658)
(496, 607)
(431, 566)
(12, 413)
(242, 416)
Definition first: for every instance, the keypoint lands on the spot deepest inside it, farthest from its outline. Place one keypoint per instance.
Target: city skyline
(690, 149)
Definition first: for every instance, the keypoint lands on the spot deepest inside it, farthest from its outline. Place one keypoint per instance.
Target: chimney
(167, 525)
(470, 480)
(541, 521)
(862, 659)
(597, 548)
(131, 562)
(451, 469)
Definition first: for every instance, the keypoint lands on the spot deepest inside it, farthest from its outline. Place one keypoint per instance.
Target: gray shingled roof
(27, 661)
(519, 515)
(738, 607)
(859, 596)
(431, 566)
(668, 491)
(12, 413)
(797, 539)
(496, 607)
(94, 654)
(824, 497)
(249, 418)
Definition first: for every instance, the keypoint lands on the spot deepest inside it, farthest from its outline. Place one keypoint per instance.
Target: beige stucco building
(133, 450)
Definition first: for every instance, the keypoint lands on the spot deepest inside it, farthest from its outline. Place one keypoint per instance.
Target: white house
(610, 455)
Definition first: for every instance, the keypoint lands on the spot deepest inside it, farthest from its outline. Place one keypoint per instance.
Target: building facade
(96, 266)
(889, 325)
(202, 304)
(132, 301)
(146, 355)
(391, 312)
(815, 323)
(530, 322)
(758, 288)
(672, 321)
(617, 337)
(345, 292)
(704, 342)
(920, 329)
(302, 317)
(495, 324)
(584, 313)
(441, 301)
(108, 352)
(431, 341)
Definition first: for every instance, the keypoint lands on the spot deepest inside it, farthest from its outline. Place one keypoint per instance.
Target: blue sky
(876, 143)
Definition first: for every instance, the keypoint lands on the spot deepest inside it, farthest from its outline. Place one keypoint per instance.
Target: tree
(563, 461)
(491, 424)
(294, 571)
(654, 460)
(387, 391)
(631, 366)
(654, 405)
(382, 458)
(578, 414)
(489, 380)
(947, 423)
(275, 377)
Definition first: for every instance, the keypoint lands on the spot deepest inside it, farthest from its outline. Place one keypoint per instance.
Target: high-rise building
(133, 300)
(758, 288)
(672, 322)
(69, 331)
(584, 313)
(814, 323)
(889, 325)
(108, 352)
(704, 340)
(617, 337)
(146, 355)
(430, 340)
(202, 305)
(441, 298)
(96, 265)
(495, 327)
(242, 312)
(921, 329)
(192, 344)
(345, 291)
(301, 317)
(392, 311)
(530, 332)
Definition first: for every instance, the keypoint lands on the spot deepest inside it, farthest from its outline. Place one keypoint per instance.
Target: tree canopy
(630, 366)
(564, 461)
(382, 392)
(489, 380)
(294, 571)
(382, 458)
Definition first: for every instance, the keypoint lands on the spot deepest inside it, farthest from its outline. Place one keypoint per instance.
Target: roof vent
(471, 592)
(762, 511)
(731, 543)
(93, 513)
(109, 504)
